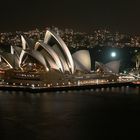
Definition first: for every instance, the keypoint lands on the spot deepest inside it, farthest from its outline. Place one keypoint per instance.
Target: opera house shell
(51, 54)
(110, 67)
(82, 60)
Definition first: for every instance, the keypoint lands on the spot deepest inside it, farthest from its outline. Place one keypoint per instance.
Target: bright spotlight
(113, 54)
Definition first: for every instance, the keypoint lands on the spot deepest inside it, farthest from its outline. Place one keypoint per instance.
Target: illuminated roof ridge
(27, 43)
(10, 59)
(51, 52)
(36, 55)
(63, 46)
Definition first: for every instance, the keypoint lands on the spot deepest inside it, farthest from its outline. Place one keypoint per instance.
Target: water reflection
(72, 115)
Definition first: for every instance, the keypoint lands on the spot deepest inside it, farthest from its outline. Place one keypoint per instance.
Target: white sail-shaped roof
(10, 59)
(63, 47)
(27, 43)
(110, 67)
(50, 55)
(17, 50)
(113, 66)
(82, 60)
(36, 55)
(61, 57)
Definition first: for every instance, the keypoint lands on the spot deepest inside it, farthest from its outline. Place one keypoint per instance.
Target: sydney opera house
(48, 60)
(52, 53)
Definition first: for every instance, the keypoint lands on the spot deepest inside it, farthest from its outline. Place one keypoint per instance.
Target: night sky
(80, 15)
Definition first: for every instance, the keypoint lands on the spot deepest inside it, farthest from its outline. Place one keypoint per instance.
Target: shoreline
(67, 87)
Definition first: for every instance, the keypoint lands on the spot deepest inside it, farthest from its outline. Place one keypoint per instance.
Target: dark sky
(81, 15)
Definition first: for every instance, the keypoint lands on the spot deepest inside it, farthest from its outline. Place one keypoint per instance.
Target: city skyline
(87, 15)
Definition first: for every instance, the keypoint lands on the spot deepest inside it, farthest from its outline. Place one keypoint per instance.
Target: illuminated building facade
(44, 55)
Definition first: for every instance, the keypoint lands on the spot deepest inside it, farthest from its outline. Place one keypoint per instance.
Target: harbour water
(107, 113)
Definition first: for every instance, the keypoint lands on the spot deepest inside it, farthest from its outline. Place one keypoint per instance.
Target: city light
(43, 67)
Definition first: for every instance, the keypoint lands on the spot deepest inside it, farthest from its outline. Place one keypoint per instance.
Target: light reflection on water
(72, 115)
(109, 90)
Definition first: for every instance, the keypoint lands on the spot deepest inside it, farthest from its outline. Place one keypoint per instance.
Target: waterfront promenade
(66, 86)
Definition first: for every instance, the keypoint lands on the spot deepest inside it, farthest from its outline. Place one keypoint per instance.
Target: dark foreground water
(88, 114)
